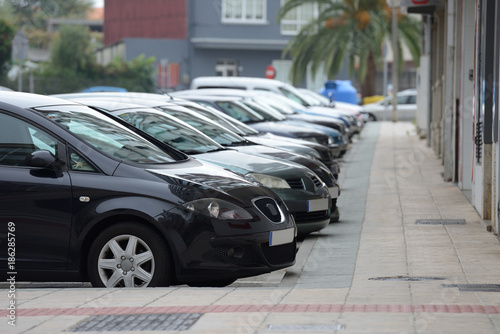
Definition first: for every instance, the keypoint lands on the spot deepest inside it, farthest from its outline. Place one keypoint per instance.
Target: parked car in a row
(127, 189)
(278, 108)
(314, 106)
(296, 145)
(88, 198)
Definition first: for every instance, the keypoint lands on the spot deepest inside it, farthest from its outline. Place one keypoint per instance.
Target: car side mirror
(43, 159)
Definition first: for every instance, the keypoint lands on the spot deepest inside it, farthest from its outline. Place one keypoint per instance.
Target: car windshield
(171, 131)
(219, 116)
(322, 99)
(267, 112)
(228, 122)
(297, 96)
(281, 103)
(211, 129)
(239, 111)
(244, 129)
(106, 135)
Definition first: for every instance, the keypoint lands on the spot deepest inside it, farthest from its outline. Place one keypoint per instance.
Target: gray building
(219, 37)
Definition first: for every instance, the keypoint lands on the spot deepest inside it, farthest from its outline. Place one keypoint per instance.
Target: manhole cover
(407, 278)
(441, 222)
(138, 322)
(308, 328)
(475, 287)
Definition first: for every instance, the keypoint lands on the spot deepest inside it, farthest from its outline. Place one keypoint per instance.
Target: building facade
(458, 107)
(191, 38)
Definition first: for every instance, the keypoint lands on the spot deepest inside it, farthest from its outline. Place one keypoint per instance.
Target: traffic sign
(270, 72)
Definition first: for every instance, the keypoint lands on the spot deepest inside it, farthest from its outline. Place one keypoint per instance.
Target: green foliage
(349, 30)
(37, 12)
(136, 75)
(72, 66)
(71, 49)
(6, 36)
(32, 16)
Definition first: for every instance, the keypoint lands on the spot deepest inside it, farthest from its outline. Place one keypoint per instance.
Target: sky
(98, 3)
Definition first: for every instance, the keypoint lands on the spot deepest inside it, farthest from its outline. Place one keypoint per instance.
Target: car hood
(329, 131)
(295, 147)
(245, 163)
(193, 179)
(327, 111)
(316, 166)
(324, 120)
(286, 130)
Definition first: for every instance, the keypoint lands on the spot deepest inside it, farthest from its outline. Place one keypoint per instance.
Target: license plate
(281, 237)
(334, 192)
(317, 204)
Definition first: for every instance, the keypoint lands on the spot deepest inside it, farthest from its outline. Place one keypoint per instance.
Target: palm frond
(359, 30)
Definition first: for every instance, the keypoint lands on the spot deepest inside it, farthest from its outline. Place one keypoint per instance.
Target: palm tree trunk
(368, 84)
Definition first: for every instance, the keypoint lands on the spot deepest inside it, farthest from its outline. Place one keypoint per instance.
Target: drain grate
(441, 222)
(475, 287)
(407, 278)
(138, 322)
(308, 328)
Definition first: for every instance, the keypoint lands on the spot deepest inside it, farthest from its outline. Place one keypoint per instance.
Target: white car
(382, 110)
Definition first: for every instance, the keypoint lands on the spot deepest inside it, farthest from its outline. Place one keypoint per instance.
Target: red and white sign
(417, 3)
(270, 72)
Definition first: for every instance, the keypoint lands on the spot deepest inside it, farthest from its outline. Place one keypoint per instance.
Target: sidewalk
(376, 271)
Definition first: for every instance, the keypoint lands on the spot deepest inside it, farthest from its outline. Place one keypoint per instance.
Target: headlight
(218, 208)
(330, 140)
(311, 139)
(269, 181)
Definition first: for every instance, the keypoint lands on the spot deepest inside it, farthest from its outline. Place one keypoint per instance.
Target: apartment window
(226, 68)
(243, 11)
(298, 17)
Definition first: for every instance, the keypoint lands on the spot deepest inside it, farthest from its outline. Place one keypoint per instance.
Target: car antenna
(165, 93)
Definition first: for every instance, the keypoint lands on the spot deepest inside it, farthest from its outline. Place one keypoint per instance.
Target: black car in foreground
(83, 198)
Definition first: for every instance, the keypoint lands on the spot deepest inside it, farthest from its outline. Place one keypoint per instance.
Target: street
(409, 255)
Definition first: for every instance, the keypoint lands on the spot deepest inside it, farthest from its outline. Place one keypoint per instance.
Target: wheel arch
(109, 221)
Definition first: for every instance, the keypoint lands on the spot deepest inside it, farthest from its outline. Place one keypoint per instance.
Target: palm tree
(352, 30)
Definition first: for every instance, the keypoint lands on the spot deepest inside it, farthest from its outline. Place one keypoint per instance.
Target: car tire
(129, 255)
(372, 118)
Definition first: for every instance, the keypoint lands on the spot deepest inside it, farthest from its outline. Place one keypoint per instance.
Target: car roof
(29, 100)
(212, 97)
(221, 91)
(118, 98)
(149, 96)
(109, 104)
(253, 80)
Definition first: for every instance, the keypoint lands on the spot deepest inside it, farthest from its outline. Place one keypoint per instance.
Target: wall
(466, 95)
(206, 23)
(144, 18)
